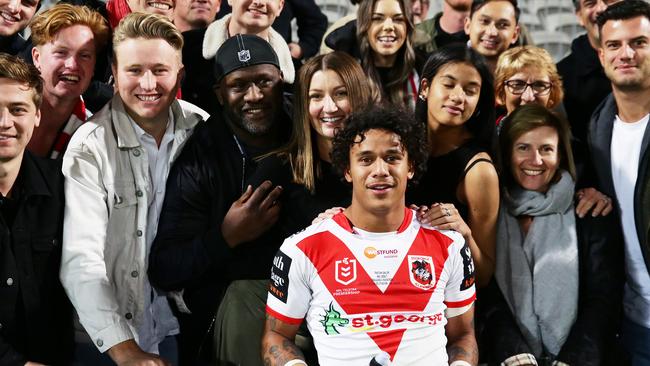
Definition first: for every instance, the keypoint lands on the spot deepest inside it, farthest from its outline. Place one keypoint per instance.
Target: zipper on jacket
(243, 162)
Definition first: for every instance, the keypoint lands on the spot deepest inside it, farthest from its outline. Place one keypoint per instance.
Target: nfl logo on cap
(243, 50)
(244, 55)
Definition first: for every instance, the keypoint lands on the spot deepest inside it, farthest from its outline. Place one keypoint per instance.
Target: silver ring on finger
(447, 212)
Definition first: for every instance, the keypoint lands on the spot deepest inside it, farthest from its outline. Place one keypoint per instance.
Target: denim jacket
(104, 259)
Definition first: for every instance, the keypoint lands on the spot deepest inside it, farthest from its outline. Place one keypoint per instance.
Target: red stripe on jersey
(460, 304)
(388, 341)
(324, 249)
(355, 291)
(284, 318)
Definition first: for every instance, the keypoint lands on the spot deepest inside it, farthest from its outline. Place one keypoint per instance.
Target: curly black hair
(412, 135)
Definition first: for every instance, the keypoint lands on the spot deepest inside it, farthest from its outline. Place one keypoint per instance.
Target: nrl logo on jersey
(345, 271)
(421, 271)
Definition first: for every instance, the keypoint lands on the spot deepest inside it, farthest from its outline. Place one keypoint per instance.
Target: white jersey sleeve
(289, 289)
(460, 291)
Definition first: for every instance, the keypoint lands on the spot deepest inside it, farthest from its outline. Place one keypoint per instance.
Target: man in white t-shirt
(371, 282)
(619, 137)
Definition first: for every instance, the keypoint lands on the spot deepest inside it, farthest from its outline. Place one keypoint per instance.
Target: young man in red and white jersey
(371, 282)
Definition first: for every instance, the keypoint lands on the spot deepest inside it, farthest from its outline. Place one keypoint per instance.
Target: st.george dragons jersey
(363, 293)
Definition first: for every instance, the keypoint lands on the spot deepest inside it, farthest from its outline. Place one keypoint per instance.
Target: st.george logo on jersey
(421, 271)
(345, 271)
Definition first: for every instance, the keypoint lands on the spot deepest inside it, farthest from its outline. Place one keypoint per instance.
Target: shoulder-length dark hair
(302, 150)
(481, 123)
(526, 118)
(404, 63)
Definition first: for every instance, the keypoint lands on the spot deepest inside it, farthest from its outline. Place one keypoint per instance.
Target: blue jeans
(636, 341)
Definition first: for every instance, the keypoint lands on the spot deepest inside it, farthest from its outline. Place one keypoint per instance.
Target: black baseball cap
(243, 50)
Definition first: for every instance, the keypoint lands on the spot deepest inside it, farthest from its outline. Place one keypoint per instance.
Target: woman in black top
(460, 189)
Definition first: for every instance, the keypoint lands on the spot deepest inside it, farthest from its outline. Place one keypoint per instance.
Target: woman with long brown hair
(329, 88)
(382, 39)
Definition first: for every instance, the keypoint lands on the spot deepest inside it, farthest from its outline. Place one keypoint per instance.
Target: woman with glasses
(527, 75)
(460, 190)
(559, 276)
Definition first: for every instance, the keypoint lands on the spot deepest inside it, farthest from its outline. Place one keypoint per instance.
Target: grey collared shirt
(157, 318)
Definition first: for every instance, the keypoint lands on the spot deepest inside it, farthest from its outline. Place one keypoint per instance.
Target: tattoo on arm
(279, 349)
(276, 355)
(458, 352)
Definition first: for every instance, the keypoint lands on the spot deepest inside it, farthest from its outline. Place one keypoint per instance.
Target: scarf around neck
(538, 273)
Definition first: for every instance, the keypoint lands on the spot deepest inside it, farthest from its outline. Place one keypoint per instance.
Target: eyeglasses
(538, 87)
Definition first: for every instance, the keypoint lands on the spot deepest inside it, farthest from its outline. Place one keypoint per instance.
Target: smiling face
(625, 52)
(15, 15)
(147, 76)
(329, 105)
(379, 171)
(195, 14)
(587, 13)
(162, 7)
(255, 15)
(387, 32)
(67, 62)
(532, 93)
(535, 158)
(452, 95)
(493, 28)
(252, 97)
(18, 117)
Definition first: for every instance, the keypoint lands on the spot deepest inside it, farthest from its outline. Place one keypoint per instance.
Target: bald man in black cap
(216, 230)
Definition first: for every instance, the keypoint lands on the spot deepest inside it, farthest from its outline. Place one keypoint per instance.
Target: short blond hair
(147, 26)
(15, 69)
(516, 59)
(47, 24)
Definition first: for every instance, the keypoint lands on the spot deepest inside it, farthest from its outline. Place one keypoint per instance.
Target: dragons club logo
(345, 271)
(421, 271)
(332, 319)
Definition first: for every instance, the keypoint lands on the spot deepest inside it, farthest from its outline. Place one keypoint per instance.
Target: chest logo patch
(345, 271)
(421, 271)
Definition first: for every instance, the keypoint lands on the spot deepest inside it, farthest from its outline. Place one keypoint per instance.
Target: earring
(422, 98)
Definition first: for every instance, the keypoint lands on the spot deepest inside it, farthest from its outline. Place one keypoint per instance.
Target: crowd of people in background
(184, 183)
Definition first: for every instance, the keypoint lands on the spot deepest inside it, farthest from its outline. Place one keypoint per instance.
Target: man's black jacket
(585, 85)
(35, 314)
(311, 21)
(189, 251)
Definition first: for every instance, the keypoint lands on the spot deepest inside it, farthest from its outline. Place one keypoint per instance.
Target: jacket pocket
(124, 196)
(122, 223)
(46, 244)
(46, 256)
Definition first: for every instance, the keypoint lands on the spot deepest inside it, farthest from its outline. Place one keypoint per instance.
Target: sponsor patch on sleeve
(468, 268)
(279, 284)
